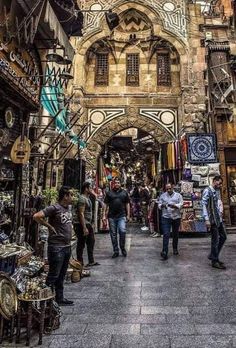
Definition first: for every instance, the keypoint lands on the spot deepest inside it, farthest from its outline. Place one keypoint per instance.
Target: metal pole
(65, 153)
(57, 141)
(53, 117)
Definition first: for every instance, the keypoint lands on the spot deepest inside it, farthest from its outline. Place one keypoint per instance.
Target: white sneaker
(155, 235)
(144, 228)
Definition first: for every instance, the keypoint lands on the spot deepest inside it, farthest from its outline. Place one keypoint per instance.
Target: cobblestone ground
(141, 301)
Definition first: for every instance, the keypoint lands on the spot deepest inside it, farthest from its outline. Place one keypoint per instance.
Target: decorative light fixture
(54, 57)
(66, 76)
(64, 61)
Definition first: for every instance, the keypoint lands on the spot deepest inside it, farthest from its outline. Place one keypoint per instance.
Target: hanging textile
(52, 100)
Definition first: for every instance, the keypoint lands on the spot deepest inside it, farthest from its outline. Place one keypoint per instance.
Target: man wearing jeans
(170, 203)
(212, 214)
(117, 210)
(84, 226)
(60, 233)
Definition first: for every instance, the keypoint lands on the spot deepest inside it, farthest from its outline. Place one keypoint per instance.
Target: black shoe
(115, 255)
(124, 252)
(218, 265)
(175, 252)
(221, 263)
(164, 256)
(65, 302)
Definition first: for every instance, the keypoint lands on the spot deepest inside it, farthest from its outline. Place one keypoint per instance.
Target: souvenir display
(187, 204)
(200, 170)
(8, 297)
(196, 178)
(204, 182)
(214, 169)
(202, 148)
(9, 116)
(36, 289)
(186, 187)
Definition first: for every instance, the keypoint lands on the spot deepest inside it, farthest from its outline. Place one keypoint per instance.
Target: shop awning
(50, 21)
(49, 27)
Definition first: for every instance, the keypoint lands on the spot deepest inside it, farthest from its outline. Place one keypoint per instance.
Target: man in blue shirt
(212, 214)
(170, 203)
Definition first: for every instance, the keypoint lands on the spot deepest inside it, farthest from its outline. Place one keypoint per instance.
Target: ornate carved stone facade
(147, 29)
(157, 61)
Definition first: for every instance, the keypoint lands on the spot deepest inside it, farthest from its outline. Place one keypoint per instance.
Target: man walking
(84, 228)
(212, 213)
(170, 203)
(60, 233)
(117, 210)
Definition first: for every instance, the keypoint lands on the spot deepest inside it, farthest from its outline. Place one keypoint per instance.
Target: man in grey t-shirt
(59, 250)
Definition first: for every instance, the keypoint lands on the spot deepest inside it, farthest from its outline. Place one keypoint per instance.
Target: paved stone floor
(141, 301)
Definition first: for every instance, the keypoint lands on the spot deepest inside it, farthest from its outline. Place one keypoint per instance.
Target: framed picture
(201, 148)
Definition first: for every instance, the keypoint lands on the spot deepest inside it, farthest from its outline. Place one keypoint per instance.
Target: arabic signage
(20, 67)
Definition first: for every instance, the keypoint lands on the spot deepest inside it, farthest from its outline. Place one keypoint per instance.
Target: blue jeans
(58, 259)
(117, 225)
(218, 238)
(166, 225)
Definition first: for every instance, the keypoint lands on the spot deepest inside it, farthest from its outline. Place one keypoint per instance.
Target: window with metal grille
(132, 69)
(102, 69)
(163, 69)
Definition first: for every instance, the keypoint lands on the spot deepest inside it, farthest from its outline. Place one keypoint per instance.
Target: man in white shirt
(170, 203)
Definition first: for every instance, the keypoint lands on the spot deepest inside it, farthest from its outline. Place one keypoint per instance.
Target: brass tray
(8, 297)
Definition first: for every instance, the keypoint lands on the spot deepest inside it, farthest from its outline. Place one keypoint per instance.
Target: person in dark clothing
(213, 216)
(83, 227)
(136, 205)
(59, 249)
(145, 199)
(117, 210)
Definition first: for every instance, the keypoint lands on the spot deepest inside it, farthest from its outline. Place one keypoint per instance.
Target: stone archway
(160, 123)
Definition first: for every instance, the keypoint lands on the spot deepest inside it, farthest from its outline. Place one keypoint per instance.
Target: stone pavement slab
(143, 302)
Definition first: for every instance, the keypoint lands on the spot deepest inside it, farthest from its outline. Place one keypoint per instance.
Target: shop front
(230, 162)
(19, 94)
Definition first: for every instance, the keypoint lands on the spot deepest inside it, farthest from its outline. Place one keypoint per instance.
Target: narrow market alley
(141, 301)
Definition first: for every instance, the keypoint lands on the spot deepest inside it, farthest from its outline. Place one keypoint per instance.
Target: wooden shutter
(132, 69)
(163, 69)
(102, 69)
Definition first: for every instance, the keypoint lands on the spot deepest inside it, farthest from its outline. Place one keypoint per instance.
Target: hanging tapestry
(202, 148)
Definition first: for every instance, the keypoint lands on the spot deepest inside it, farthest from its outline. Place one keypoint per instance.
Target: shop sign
(20, 67)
